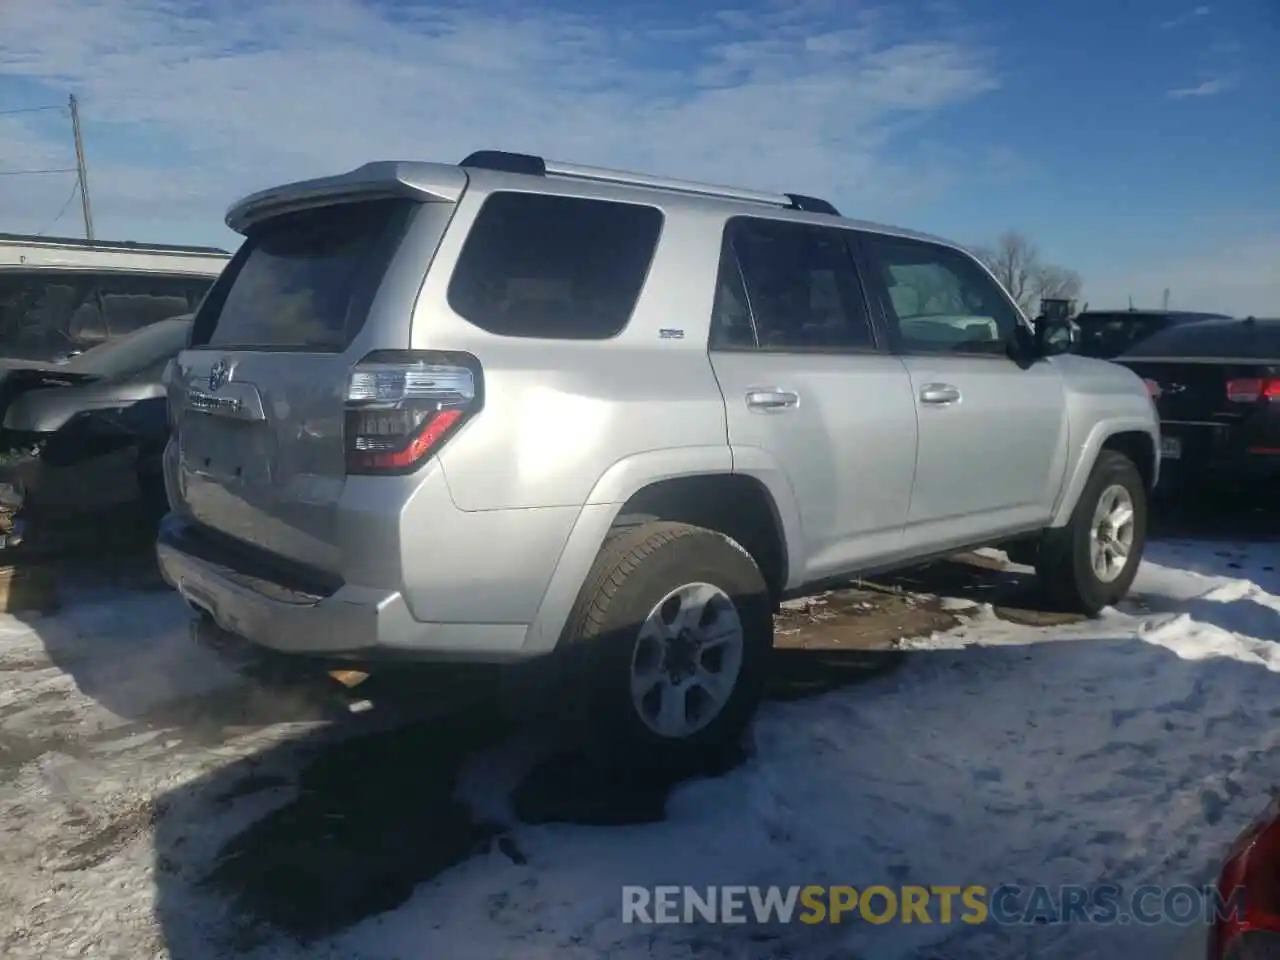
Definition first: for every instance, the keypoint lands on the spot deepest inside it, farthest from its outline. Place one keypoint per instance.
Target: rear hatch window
(1239, 340)
(304, 281)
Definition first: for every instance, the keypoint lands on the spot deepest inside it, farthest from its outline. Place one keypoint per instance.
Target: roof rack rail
(531, 165)
(138, 245)
(505, 162)
(812, 204)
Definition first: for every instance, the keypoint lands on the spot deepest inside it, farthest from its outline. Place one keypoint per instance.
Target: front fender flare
(1081, 465)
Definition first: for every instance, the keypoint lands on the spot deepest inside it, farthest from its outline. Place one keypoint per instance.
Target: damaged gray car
(87, 433)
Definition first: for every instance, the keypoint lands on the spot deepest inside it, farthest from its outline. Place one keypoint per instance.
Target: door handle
(771, 398)
(939, 394)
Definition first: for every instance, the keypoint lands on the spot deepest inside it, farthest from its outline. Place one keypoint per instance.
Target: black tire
(636, 569)
(1063, 562)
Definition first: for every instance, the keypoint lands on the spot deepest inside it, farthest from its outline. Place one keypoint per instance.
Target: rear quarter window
(535, 265)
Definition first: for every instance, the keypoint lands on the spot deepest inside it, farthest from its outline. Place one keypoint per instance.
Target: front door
(992, 431)
(812, 392)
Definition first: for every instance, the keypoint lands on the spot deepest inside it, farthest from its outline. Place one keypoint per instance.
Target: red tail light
(1251, 389)
(401, 407)
(1250, 884)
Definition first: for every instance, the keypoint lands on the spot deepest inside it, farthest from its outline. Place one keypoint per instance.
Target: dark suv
(1108, 333)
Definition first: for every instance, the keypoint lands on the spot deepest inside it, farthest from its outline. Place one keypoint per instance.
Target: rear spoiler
(383, 179)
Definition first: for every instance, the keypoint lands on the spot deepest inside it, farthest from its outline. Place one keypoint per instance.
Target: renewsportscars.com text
(1007, 904)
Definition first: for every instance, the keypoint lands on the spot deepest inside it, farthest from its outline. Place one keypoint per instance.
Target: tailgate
(258, 400)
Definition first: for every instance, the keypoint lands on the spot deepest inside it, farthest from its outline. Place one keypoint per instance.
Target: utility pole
(81, 170)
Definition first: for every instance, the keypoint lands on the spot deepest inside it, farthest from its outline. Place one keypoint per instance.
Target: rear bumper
(1220, 457)
(351, 623)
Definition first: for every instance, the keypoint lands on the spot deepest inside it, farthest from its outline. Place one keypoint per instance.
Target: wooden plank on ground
(28, 587)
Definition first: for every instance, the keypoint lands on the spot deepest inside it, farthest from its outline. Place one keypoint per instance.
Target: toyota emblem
(218, 374)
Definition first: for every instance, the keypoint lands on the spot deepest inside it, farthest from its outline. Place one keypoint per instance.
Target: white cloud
(1241, 278)
(804, 98)
(1194, 13)
(1207, 88)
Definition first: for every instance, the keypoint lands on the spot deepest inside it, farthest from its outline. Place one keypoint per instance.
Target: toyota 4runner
(517, 409)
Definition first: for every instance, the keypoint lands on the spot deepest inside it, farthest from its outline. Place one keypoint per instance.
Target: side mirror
(1055, 335)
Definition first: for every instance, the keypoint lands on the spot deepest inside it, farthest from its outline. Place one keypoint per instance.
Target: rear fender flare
(615, 487)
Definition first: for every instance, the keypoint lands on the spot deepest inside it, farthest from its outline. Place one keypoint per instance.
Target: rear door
(258, 400)
(807, 380)
(992, 431)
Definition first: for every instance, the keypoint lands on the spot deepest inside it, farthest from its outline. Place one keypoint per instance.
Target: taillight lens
(1252, 389)
(402, 406)
(1250, 881)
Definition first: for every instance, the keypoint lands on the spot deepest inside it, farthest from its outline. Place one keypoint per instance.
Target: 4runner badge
(218, 374)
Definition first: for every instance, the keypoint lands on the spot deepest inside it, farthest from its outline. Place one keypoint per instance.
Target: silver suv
(517, 409)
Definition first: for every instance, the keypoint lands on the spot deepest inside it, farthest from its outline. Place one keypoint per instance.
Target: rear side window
(788, 286)
(306, 280)
(562, 268)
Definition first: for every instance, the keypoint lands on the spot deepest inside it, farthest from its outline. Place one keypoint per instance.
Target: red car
(1250, 882)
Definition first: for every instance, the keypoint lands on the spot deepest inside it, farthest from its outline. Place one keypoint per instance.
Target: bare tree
(1016, 263)
(1054, 281)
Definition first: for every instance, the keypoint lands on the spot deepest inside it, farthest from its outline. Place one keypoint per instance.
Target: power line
(80, 169)
(31, 173)
(75, 187)
(9, 113)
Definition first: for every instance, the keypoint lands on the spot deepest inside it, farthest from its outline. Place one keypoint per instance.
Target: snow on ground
(1129, 749)
(89, 700)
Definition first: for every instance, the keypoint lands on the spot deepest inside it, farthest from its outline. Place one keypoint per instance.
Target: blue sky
(1135, 143)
